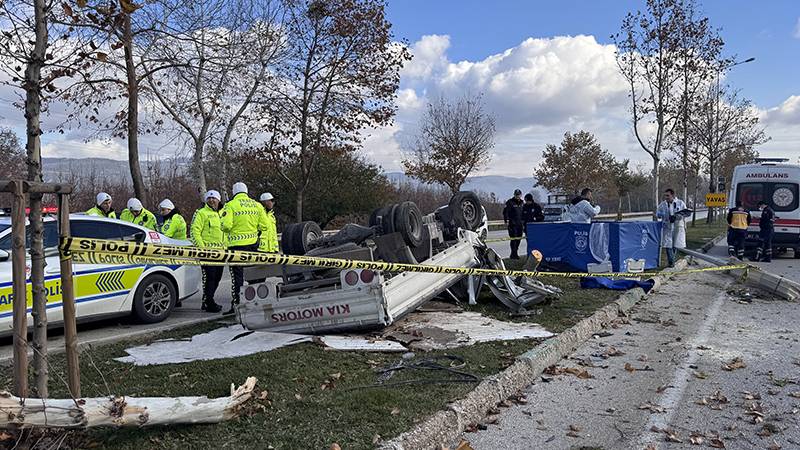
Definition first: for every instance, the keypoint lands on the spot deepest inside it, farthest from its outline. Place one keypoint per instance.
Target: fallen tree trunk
(121, 411)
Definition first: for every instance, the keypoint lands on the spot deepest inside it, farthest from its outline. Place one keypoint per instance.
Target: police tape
(98, 251)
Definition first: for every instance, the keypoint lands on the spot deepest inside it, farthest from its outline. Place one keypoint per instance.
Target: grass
(699, 235)
(300, 413)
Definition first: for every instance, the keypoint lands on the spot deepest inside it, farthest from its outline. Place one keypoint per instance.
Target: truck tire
(305, 233)
(408, 222)
(154, 298)
(287, 239)
(388, 219)
(467, 210)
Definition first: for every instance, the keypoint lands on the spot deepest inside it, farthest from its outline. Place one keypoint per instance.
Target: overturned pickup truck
(314, 300)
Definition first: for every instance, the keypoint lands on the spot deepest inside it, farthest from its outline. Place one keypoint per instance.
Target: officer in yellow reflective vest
(174, 225)
(206, 231)
(269, 238)
(138, 214)
(102, 207)
(243, 220)
(738, 221)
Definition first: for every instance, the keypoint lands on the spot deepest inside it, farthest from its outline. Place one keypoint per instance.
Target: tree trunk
(299, 205)
(199, 168)
(656, 167)
(712, 188)
(696, 189)
(122, 411)
(33, 150)
(133, 110)
(619, 208)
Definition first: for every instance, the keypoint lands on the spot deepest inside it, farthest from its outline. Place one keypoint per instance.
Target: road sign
(719, 199)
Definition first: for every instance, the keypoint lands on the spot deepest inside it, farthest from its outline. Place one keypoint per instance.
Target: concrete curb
(446, 426)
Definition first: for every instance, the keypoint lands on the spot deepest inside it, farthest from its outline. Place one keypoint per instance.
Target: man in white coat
(582, 210)
(673, 233)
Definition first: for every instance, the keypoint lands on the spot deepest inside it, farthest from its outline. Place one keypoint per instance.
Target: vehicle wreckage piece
(517, 294)
(121, 411)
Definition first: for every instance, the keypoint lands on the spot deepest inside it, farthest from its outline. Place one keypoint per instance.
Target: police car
(148, 292)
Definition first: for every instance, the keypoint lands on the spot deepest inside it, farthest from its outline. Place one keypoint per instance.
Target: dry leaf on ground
(464, 445)
(736, 363)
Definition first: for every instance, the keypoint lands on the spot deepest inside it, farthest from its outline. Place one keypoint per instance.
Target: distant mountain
(502, 186)
(64, 169)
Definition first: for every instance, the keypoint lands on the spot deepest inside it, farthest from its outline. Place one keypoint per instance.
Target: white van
(776, 182)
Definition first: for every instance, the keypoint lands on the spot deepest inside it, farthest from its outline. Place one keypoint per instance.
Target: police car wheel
(154, 299)
(797, 253)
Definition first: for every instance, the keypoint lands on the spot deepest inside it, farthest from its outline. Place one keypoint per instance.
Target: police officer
(243, 219)
(174, 224)
(738, 221)
(269, 238)
(138, 214)
(531, 212)
(512, 217)
(206, 231)
(766, 225)
(102, 207)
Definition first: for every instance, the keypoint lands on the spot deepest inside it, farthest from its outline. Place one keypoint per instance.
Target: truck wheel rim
(156, 298)
(470, 212)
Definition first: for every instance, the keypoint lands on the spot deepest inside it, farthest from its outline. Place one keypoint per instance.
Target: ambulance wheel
(408, 221)
(467, 211)
(154, 298)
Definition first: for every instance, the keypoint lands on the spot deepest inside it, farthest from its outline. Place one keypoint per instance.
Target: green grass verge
(702, 232)
(315, 396)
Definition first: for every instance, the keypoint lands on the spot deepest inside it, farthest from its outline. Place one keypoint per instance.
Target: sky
(543, 68)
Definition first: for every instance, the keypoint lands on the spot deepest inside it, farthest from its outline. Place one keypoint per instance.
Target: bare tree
(225, 52)
(34, 62)
(700, 48)
(12, 158)
(649, 50)
(340, 77)
(723, 121)
(454, 140)
(578, 162)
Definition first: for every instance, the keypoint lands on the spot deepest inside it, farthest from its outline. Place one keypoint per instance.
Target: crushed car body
(316, 300)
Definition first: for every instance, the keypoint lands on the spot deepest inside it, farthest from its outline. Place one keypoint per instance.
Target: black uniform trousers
(736, 238)
(515, 230)
(765, 250)
(211, 278)
(237, 272)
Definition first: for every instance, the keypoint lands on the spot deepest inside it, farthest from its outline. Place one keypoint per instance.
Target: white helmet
(239, 187)
(134, 204)
(266, 196)
(101, 197)
(212, 194)
(166, 204)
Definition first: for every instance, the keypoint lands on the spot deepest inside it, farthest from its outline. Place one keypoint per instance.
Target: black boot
(211, 307)
(757, 256)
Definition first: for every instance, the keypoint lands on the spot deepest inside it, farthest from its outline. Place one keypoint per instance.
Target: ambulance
(146, 292)
(775, 181)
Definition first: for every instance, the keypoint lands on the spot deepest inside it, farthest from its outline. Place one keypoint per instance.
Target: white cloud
(71, 148)
(429, 56)
(787, 112)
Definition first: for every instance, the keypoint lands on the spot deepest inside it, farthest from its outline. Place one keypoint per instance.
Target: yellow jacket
(96, 211)
(207, 228)
(145, 218)
(243, 220)
(269, 238)
(174, 226)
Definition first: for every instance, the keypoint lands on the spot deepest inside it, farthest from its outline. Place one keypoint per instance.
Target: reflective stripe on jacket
(269, 238)
(145, 218)
(243, 220)
(207, 228)
(96, 211)
(738, 219)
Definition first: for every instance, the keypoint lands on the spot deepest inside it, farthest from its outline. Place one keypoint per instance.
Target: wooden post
(68, 302)
(20, 302)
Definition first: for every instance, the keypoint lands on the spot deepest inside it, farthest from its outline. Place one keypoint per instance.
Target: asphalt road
(782, 264)
(503, 248)
(668, 381)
